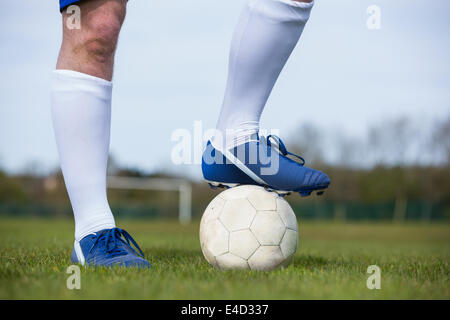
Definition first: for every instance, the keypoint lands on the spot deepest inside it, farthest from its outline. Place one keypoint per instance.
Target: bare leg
(91, 49)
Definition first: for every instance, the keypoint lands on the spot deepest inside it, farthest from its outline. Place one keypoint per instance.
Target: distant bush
(11, 190)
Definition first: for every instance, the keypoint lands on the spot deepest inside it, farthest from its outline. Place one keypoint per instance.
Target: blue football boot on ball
(263, 162)
(109, 247)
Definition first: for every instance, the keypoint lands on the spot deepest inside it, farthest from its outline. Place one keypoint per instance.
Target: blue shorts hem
(65, 3)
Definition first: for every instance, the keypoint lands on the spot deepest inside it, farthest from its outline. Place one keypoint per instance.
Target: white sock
(81, 111)
(267, 32)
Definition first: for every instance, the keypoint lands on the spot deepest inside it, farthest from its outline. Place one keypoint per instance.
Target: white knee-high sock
(267, 32)
(81, 112)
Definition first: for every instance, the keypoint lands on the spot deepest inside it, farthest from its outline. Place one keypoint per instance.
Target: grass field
(331, 263)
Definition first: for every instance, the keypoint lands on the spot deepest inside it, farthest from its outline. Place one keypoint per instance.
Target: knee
(100, 26)
(102, 36)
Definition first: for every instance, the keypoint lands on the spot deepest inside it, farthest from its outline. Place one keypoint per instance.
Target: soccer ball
(247, 227)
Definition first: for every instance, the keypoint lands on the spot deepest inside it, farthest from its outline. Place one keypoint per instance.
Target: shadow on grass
(163, 254)
(311, 262)
(193, 257)
(318, 263)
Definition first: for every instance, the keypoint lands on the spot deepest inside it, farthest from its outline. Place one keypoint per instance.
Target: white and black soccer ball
(247, 227)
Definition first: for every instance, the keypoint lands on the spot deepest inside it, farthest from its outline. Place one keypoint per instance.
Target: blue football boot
(264, 163)
(109, 247)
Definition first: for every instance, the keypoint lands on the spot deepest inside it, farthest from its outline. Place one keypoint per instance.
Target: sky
(171, 68)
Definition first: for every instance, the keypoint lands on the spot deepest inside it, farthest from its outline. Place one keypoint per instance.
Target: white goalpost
(183, 187)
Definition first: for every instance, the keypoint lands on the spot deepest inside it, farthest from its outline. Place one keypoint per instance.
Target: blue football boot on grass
(264, 163)
(109, 247)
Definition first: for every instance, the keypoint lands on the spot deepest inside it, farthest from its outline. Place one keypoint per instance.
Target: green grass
(330, 263)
